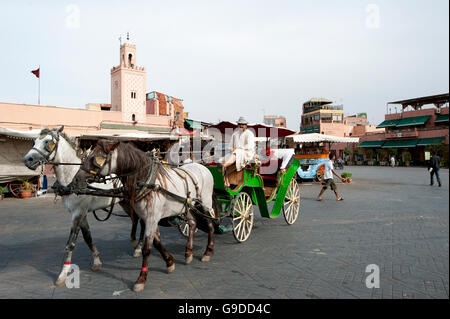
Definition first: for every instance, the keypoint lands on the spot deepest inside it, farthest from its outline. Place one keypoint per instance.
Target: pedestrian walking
(328, 178)
(434, 167)
(392, 161)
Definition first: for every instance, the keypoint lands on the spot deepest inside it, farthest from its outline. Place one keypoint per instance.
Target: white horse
(164, 194)
(54, 147)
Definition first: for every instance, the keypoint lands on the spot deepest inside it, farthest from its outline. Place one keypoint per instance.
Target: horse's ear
(61, 129)
(108, 146)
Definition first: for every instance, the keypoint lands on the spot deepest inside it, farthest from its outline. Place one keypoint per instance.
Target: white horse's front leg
(74, 230)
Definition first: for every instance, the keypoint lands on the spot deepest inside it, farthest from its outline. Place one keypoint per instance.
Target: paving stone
(390, 217)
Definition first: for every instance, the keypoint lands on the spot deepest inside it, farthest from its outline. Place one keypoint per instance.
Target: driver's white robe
(244, 144)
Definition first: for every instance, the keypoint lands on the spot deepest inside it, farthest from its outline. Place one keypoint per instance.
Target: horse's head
(99, 162)
(44, 149)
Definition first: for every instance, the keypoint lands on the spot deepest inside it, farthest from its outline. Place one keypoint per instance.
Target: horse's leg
(138, 247)
(74, 230)
(190, 243)
(210, 247)
(150, 231)
(135, 218)
(84, 225)
(133, 232)
(168, 258)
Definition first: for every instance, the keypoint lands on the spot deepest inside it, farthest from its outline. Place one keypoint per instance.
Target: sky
(227, 59)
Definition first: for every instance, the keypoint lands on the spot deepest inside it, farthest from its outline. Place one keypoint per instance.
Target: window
(133, 118)
(130, 57)
(133, 94)
(337, 118)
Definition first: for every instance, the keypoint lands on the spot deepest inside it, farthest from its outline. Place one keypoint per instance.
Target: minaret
(128, 86)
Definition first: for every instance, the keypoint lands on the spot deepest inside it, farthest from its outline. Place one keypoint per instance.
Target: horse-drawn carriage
(156, 193)
(252, 188)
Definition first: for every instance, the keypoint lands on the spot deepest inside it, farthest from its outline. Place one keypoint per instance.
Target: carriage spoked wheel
(242, 214)
(15, 189)
(183, 227)
(291, 207)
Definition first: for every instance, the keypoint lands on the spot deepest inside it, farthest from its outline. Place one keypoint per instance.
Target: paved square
(390, 217)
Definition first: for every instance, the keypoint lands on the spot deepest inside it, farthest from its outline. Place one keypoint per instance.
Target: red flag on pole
(36, 72)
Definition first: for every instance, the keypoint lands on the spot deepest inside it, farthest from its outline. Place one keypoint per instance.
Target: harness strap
(188, 173)
(151, 179)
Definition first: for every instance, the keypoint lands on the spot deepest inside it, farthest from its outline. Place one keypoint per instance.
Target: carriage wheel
(15, 189)
(183, 227)
(320, 173)
(242, 217)
(291, 207)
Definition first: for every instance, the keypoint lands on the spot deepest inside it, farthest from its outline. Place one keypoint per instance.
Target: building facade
(159, 104)
(273, 120)
(321, 116)
(412, 132)
(128, 109)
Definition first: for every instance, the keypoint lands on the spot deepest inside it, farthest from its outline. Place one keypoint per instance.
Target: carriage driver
(242, 146)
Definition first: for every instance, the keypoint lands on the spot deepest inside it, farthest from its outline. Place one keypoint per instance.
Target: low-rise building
(273, 120)
(411, 132)
(321, 116)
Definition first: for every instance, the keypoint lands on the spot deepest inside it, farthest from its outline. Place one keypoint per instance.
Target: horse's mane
(131, 160)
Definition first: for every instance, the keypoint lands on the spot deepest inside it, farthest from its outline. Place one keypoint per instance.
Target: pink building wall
(76, 121)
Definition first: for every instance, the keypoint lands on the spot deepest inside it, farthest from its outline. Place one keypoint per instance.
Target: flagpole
(39, 86)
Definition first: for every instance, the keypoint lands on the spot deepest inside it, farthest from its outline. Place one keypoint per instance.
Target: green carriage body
(253, 185)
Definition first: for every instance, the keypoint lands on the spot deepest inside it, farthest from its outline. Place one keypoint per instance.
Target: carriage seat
(269, 170)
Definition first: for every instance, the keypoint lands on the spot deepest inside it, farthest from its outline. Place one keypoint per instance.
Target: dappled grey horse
(155, 192)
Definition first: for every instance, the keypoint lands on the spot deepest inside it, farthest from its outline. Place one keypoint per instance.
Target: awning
(441, 119)
(192, 125)
(260, 130)
(26, 135)
(400, 143)
(12, 150)
(388, 123)
(317, 138)
(369, 144)
(411, 121)
(431, 141)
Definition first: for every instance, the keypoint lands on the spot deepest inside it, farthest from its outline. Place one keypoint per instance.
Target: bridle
(100, 159)
(51, 147)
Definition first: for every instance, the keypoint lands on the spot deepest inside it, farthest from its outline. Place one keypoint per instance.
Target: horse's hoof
(60, 282)
(96, 267)
(170, 269)
(205, 258)
(137, 253)
(189, 259)
(138, 287)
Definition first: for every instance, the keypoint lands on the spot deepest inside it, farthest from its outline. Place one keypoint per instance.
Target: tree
(369, 154)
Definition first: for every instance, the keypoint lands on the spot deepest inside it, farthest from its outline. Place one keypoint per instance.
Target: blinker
(99, 161)
(50, 146)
